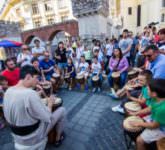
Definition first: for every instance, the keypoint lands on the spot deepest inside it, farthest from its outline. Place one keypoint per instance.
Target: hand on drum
(135, 123)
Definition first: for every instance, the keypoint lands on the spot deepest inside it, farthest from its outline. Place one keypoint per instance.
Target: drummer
(118, 63)
(96, 70)
(70, 70)
(47, 66)
(143, 79)
(29, 112)
(3, 88)
(83, 68)
(155, 127)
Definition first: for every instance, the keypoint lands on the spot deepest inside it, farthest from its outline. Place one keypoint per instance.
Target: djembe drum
(104, 76)
(55, 81)
(116, 80)
(132, 131)
(95, 80)
(131, 107)
(80, 80)
(57, 103)
(132, 74)
(47, 87)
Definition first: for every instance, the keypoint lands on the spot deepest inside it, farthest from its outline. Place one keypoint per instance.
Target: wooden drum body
(55, 81)
(116, 80)
(47, 88)
(132, 74)
(131, 131)
(80, 79)
(95, 80)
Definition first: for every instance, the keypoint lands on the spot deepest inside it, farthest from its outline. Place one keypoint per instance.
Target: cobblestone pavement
(91, 124)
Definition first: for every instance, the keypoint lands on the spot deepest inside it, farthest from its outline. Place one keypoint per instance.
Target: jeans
(123, 77)
(62, 65)
(100, 79)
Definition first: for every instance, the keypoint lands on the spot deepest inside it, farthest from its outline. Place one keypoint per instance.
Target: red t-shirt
(12, 76)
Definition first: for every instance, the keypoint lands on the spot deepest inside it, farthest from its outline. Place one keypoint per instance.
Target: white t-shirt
(79, 52)
(83, 67)
(27, 58)
(96, 68)
(109, 49)
(38, 50)
(124, 43)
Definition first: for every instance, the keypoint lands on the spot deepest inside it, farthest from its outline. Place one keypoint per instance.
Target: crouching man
(29, 119)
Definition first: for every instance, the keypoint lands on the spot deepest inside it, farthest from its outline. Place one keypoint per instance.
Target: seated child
(96, 70)
(155, 128)
(70, 71)
(143, 78)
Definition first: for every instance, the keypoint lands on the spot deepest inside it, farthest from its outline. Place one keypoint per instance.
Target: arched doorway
(56, 37)
(31, 43)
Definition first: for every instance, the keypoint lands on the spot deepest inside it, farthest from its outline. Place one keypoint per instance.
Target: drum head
(56, 75)
(115, 74)
(137, 69)
(132, 106)
(44, 100)
(79, 76)
(57, 100)
(132, 72)
(67, 76)
(95, 78)
(127, 125)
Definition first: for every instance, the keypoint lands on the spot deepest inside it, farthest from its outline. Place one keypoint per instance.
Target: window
(139, 15)
(35, 9)
(163, 3)
(37, 23)
(50, 21)
(64, 18)
(129, 10)
(48, 6)
(62, 3)
(163, 18)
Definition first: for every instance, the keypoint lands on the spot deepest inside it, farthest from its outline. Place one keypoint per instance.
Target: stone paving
(91, 124)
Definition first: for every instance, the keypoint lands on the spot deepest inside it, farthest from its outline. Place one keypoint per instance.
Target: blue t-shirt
(46, 65)
(157, 67)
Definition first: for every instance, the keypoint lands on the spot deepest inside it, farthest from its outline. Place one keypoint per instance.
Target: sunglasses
(25, 49)
(149, 56)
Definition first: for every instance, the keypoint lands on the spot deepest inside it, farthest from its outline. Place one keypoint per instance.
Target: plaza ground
(91, 125)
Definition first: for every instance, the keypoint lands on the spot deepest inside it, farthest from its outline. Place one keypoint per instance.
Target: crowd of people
(76, 65)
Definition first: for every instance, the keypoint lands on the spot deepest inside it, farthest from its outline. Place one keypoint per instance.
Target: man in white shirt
(24, 58)
(38, 51)
(125, 44)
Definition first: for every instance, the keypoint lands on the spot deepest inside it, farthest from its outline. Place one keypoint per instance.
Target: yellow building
(139, 13)
(35, 13)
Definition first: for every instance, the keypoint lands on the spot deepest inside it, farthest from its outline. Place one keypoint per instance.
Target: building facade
(36, 13)
(137, 14)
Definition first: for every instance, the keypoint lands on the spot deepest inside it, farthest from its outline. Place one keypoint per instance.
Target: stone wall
(82, 7)
(9, 29)
(47, 33)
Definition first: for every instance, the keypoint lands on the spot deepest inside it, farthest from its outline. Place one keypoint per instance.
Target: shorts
(62, 65)
(151, 135)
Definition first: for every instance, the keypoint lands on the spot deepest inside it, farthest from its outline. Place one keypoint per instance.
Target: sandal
(58, 143)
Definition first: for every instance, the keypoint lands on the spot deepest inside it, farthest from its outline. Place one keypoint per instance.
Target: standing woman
(118, 63)
(61, 58)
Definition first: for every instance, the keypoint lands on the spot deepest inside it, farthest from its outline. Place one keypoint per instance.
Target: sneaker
(94, 90)
(99, 90)
(113, 92)
(113, 96)
(118, 108)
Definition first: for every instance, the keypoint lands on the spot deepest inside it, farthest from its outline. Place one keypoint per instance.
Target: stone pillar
(92, 17)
